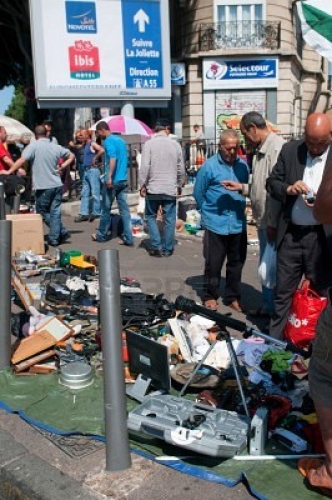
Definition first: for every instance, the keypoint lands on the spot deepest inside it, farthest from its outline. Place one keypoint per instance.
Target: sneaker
(82, 218)
(65, 237)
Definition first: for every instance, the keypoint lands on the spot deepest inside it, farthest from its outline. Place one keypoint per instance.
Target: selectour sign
(240, 73)
(100, 51)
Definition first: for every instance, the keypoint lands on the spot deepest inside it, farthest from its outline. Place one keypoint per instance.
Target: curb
(25, 476)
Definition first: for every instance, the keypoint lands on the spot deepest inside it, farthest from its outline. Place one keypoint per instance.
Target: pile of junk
(196, 385)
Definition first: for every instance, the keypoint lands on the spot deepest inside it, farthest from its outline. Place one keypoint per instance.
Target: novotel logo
(81, 17)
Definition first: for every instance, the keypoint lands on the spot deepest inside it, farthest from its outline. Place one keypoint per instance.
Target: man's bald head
(317, 133)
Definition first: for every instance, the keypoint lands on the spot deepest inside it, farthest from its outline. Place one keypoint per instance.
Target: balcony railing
(235, 35)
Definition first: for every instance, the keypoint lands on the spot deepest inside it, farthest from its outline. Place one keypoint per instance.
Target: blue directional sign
(142, 44)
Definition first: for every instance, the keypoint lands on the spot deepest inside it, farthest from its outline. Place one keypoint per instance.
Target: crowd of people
(290, 188)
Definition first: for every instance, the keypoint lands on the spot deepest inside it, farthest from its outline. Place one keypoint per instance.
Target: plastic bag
(305, 311)
(268, 266)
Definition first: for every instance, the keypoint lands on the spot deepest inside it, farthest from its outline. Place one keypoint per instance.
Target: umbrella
(125, 125)
(15, 129)
(316, 23)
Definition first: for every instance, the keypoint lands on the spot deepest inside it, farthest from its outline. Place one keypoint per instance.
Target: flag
(316, 20)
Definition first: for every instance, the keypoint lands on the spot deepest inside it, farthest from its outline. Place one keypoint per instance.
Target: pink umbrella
(125, 125)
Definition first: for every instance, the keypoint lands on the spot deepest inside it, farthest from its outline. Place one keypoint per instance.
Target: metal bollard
(5, 287)
(17, 198)
(117, 442)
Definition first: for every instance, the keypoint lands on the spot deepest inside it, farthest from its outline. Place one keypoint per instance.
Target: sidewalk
(32, 467)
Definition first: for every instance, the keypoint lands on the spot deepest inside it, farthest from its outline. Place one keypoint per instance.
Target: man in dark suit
(301, 240)
(319, 472)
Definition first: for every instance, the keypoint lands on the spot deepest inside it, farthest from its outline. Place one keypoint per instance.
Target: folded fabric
(280, 360)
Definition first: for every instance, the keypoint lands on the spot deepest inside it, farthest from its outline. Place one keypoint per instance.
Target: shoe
(94, 217)
(125, 243)
(259, 313)
(65, 237)
(235, 305)
(211, 304)
(154, 252)
(94, 237)
(167, 254)
(82, 218)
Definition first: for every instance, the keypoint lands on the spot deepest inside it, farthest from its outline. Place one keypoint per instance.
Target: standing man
(199, 139)
(91, 179)
(161, 177)
(319, 472)
(267, 146)
(45, 156)
(224, 220)
(301, 240)
(114, 185)
(6, 160)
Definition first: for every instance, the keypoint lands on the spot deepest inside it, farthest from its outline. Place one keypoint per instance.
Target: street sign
(99, 52)
(142, 42)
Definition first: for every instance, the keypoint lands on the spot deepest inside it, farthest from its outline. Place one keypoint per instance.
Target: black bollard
(5, 287)
(117, 442)
(2, 202)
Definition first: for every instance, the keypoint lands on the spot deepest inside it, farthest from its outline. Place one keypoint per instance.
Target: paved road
(33, 468)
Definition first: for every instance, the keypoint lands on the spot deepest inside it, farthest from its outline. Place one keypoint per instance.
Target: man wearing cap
(161, 178)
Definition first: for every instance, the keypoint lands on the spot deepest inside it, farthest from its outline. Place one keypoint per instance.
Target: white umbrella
(125, 125)
(15, 129)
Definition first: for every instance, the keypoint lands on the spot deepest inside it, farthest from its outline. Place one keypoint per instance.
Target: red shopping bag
(306, 308)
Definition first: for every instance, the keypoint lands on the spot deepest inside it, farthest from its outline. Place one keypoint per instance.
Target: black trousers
(216, 249)
(302, 252)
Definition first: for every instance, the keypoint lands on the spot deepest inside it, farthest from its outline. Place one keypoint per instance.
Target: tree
(16, 67)
(18, 106)
(15, 57)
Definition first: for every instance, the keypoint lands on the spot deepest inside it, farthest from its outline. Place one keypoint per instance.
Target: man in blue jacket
(223, 218)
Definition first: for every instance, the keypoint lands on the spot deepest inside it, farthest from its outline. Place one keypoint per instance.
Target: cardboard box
(27, 233)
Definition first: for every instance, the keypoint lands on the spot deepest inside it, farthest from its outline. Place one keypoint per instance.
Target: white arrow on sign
(141, 18)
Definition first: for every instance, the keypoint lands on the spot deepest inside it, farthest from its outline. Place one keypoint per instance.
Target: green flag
(316, 21)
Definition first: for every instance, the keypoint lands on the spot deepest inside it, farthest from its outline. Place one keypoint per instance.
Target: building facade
(244, 55)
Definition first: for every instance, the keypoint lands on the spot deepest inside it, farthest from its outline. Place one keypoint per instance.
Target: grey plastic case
(196, 427)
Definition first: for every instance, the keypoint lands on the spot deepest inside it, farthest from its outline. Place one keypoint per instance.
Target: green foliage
(18, 106)
(15, 58)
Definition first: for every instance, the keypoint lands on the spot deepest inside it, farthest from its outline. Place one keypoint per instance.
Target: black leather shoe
(155, 252)
(167, 254)
(82, 218)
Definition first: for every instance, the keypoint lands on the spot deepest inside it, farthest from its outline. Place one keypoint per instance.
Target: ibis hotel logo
(81, 17)
(84, 61)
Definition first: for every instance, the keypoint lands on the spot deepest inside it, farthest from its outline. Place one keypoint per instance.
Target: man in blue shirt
(223, 218)
(114, 185)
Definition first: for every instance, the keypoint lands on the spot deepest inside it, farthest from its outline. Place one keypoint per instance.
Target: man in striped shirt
(161, 178)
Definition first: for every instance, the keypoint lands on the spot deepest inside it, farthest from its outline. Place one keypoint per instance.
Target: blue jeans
(152, 203)
(267, 293)
(118, 192)
(48, 205)
(91, 189)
